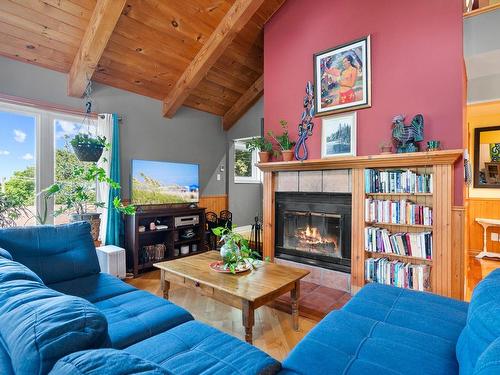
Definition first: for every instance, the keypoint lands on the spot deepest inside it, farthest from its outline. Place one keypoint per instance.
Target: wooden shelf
(182, 242)
(405, 258)
(143, 266)
(411, 159)
(156, 231)
(399, 225)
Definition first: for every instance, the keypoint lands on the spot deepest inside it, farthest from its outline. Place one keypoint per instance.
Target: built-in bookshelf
(424, 179)
(398, 229)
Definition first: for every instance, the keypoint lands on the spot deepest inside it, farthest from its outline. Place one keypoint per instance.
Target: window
(34, 153)
(17, 167)
(245, 170)
(66, 162)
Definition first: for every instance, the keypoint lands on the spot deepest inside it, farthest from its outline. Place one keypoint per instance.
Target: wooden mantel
(446, 270)
(370, 161)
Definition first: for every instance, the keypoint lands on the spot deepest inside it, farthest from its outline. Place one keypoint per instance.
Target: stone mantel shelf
(370, 161)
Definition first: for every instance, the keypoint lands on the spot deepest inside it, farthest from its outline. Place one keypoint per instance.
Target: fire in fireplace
(314, 228)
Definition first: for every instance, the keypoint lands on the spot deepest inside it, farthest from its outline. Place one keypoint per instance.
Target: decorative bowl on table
(219, 266)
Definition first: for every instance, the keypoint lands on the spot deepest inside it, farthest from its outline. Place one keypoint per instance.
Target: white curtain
(105, 129)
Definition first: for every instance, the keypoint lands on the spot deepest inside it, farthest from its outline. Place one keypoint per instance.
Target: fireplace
(314, 228)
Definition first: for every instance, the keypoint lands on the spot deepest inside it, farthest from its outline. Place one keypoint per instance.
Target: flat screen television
(163, 182)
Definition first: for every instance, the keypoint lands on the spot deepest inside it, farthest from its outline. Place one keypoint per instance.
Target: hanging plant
(88, 148)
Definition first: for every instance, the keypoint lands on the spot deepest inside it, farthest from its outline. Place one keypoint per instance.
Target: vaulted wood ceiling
(204, 54)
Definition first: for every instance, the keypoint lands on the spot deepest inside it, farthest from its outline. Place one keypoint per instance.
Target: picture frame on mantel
(342, 77)
(338, 135)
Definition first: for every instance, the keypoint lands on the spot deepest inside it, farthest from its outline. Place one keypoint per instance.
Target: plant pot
(88, 152)
(386, 150)
(287, 155)
(93, 218)
(264, 156)
(224, 249)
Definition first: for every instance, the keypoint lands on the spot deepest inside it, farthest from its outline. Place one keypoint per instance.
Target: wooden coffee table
(246, 291)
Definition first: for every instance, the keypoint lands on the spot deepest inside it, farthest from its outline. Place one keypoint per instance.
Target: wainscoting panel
(485, 208)
(215, 203)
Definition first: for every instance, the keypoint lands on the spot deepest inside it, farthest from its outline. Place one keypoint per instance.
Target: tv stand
(179, 241)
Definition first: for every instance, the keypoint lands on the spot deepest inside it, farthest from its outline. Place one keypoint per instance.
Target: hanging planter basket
(87, 147)
(88, 152)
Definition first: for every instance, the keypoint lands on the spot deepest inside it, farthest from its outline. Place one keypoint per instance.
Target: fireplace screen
(314, 228)
(312, 232)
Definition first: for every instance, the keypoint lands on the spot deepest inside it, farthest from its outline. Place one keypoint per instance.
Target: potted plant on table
(236, 253)
(87, 147)
(284, 142)
(263, 145)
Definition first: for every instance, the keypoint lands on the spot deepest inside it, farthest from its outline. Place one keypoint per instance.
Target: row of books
(403, 275)
(397, 212)
(397, 181)
(410, 244)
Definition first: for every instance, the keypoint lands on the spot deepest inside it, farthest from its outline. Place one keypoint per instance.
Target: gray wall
(245, 200)
(191, 136)
(482, 56)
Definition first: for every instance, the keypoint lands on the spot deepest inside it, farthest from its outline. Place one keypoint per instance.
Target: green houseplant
(262, 145)
(77, 197)
(236, 252)
(87, 147)
(284, 142)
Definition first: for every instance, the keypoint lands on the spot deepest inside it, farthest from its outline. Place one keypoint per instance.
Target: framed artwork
(338, 135)
(342, 79)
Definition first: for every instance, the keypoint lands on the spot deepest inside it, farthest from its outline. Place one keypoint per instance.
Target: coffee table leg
(295, 295)
(248, 320)
(165, 284)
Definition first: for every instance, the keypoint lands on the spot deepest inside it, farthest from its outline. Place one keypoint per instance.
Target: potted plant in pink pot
(284, 142)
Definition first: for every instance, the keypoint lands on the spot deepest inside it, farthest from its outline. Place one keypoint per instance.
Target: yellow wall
(478, 116)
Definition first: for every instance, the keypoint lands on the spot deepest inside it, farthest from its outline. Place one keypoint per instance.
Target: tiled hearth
(322, 276)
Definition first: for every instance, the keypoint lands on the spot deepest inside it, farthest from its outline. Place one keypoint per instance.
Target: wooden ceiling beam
(99, 30)
(234, 20)
(244, 103)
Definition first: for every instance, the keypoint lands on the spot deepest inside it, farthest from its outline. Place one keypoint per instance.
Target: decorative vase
(88, 152)
(287, 155)
(93, 218)
(264, 156)
(224, 249)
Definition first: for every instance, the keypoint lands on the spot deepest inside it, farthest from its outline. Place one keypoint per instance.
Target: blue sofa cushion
(5, 364)
(383, 330)
(489, 361)
(360, 345)
(55, 253)
(105, 362)
(40, 325)
(94, 288)
(419, 311)
(137, 315)
(5, 254)
(10, 270)
(483, 323)
(195, 348)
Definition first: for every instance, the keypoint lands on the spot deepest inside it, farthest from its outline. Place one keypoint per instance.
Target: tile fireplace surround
(327, 181)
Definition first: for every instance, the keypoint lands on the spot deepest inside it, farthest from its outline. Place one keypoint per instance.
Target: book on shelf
(397, 181)
(397, 212)
(379, 240)
(396, 273)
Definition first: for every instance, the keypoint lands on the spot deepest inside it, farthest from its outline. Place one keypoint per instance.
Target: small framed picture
(338, 135)
(342, 80)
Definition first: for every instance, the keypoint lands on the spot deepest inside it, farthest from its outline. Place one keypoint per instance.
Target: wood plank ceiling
(149, 49)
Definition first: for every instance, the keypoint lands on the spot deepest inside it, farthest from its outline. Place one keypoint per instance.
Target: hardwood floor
(272, 333)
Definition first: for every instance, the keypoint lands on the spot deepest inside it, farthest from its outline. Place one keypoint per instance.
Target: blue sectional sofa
(60, 315)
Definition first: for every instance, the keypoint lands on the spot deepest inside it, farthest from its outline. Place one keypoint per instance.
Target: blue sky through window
(17, 143)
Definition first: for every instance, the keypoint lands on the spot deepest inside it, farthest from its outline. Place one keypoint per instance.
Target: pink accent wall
(416, 65)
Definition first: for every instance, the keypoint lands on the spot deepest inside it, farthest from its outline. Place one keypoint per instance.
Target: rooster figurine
(406, 136)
